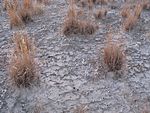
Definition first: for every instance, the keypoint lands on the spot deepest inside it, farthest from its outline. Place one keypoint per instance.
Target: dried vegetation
(20, 13)
(146, 4)
(22, 64)
(80, 109)
(73, 25)
(100, 13)
(131, 15)
(114, 56)
(125, 12)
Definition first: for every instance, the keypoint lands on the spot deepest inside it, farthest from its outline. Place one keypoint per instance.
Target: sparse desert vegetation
(132, 16)
(73, 25)
(22, 13)
(80, 109)
(114, 56)
(74, 56)
(22, 64)
(100, 13)
(146, 4)
(125, 12)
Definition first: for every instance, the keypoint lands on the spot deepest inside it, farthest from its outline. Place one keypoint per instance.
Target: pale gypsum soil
(70, 70)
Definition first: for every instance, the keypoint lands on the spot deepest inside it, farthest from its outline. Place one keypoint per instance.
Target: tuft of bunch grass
(138, 10)
(125, 12)
(130, 22)
(90, 4)
(102, 1)
(25, 11)
(5, 4)
(27, 4)
(25, 15)
(15, 20)
(113, 56)
(21, 14)
(100, 13)
(132, 17)
(33, 8)
(45, 2)
(146, 4)
(73, 25)
(16, 4)
(22, 64)
(80, 109)
(146, 111)
(37, 8)
(79, 27)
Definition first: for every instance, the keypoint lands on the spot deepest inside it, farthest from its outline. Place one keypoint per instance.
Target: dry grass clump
(21, 13)
(25, 12)
(146, 5)
(22, 65)
(128, 10)
(5, 4)
(25, 15)
(37, 8)
(90, 4)
(132, 16)
(85, 2)
(73, 25)
(100, 13)
(27, 4)
(113, 56)
(138, 10)
(102, 1)
(15, 19)
(145, 111)
(125, 12)
(31, 8)
(78, 27)
(130, 22)
(80, 109)
(18, 17)
(45, 2)
(146, 108)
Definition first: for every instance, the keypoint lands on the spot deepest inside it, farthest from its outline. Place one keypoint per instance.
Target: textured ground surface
(69, 73)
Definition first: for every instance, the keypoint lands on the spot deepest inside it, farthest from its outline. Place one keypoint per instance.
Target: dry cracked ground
(70, 68)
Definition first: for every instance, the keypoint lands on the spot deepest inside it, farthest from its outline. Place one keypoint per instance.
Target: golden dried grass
(102, 1)
(25, 15)
(138, 10)
(45, 2)
(146, 4)
(15, 20)
(80, 109)
(37, 8)
(22, 64)
(78, 27)
(90, 4)
(130, 22)
(132, 16)
(100, 13)
(114, 56)
(21, 14)
(73, 25)
(125, 12)
(5, 4)
(27, 4)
